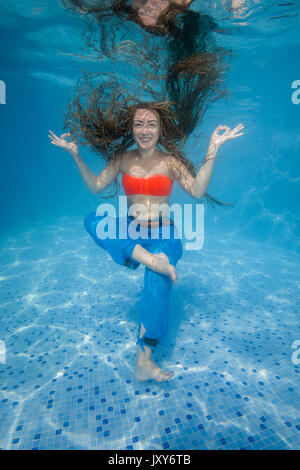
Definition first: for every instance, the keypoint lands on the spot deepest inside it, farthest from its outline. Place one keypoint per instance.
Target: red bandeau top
(156, 185)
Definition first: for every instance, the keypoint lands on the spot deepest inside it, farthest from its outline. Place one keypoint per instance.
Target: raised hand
(62, 142)
(218, 139)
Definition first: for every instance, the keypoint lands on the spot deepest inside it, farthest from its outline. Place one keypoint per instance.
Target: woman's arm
(196, 186)
(96, 184)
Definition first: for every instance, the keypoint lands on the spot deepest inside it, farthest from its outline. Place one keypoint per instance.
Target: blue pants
(155, 305)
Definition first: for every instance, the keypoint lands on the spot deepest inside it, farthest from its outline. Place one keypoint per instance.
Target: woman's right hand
(62, 142)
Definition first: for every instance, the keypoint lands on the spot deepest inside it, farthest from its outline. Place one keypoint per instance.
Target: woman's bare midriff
(134, 165)
(148, 209)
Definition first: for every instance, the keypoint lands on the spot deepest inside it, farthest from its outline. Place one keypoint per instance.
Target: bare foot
(161, 265)
(147, 370)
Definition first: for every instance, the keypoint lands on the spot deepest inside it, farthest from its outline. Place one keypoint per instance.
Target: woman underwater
(148, 174)
(180, 55)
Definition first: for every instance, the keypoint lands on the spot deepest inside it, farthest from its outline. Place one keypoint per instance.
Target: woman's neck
(147, 154)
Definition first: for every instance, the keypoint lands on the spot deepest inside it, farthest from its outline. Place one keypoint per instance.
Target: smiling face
(146, 129)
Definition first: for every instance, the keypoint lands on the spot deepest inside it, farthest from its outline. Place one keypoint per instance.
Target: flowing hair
(101, 117)
(189, 73)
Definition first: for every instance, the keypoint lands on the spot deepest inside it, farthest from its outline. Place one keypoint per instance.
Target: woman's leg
(155, 306)
(146, 369)
(159, 273)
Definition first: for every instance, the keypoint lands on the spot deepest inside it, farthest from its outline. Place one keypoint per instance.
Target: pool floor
(68, 340)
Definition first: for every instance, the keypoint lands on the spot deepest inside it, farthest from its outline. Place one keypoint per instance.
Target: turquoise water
(69, 314)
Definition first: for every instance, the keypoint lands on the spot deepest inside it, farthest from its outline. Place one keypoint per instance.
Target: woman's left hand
(218, 139)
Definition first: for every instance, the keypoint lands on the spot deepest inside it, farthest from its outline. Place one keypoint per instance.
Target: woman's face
(146, 129)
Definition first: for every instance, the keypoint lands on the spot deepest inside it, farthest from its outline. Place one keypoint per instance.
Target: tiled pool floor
(68, 328)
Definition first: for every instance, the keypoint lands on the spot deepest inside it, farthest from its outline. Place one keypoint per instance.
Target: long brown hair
(101, 117)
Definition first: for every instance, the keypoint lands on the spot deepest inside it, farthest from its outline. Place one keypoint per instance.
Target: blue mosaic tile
(72, 359)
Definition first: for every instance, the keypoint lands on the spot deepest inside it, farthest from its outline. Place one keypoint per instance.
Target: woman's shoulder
(126, 158)
(178, 167)
(169, 158)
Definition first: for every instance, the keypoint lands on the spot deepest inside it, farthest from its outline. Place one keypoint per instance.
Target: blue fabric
(155, 304)
(119, 249)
